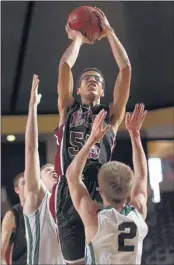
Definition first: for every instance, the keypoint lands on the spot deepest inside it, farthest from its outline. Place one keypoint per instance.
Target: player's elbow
(64, 65)
(126, 70)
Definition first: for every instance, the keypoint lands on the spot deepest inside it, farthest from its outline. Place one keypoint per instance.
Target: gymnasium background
(33, 39)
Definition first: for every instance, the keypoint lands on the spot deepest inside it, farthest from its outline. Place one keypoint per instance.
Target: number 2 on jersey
(122, 236)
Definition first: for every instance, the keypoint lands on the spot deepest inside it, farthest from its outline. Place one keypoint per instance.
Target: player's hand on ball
(134, 121)
(73, 34)
(104, 22)
(98, 128)
(35, 97)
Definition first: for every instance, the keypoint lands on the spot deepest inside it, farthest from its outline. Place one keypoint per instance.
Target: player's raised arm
(79, 194)
(122, 84)
(65, 77)
(32, 162)
(139, 191)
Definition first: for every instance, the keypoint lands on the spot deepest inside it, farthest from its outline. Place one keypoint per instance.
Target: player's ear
(103, 93)
(78, 91)
(16, 190)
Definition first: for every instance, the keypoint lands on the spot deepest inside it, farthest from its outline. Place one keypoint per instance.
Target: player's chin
(54, 181)
(93, 95)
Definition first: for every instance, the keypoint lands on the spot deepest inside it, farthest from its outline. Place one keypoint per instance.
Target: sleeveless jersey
(42, 237)
(119, 238)
(73, 134)
(17, 250)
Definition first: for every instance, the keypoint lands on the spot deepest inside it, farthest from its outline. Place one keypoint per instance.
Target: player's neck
(90, 103)
(117, 206)
(22, 203)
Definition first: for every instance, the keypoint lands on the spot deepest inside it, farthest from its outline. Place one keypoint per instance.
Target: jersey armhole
(98, 227)
(39, 208)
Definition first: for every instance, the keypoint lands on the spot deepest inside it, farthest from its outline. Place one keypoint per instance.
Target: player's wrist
(79, 38)
(33, 105)
(109, 30)
(134, 133)
(91, 141)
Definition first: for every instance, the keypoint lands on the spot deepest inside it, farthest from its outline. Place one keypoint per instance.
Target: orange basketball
(86, 20)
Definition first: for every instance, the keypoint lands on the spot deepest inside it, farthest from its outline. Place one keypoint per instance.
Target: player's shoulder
(16, 207)
(9, 214)
(75, 104)
(9, 220)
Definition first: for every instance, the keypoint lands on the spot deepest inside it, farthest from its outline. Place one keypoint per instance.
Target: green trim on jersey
(37, 222)
(91, 249)
(33, 244)
(126, 210)
(30, 245)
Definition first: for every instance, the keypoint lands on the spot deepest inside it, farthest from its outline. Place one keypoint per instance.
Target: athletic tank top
(17, 251)
(119, 238)
(73, 134)
(42, 237)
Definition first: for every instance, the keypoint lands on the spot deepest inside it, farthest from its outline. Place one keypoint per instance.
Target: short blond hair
(46, 165)
(115, 180)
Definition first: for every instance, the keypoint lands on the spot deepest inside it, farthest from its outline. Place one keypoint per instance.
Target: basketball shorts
(71, 229)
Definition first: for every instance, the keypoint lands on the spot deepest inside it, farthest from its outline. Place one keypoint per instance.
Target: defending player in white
(114, 234)
(41, 231)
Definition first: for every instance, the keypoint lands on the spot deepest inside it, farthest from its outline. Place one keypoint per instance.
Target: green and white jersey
(42, 237)
(119, 238)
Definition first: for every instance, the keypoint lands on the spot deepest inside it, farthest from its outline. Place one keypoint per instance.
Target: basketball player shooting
(75, 124)
(114, 234)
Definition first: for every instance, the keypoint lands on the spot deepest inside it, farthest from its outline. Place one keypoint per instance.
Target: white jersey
(119, 238)
(42, 238)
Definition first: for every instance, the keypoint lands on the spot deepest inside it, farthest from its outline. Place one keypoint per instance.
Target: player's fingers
(140, 111)
(136, 109)
(135, 112)
(144, 116)
(40, 96)
(106, 129)
(127, 118)
(97, 117)
(34, 78)
(36, 84)
(87, 41)
(102, 117)
(99, 11)
(67, 27)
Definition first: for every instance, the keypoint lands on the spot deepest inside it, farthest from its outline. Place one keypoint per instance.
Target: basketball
(85, 20)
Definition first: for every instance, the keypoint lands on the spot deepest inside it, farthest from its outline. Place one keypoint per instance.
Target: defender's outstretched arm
(33, 184)
(139, 191)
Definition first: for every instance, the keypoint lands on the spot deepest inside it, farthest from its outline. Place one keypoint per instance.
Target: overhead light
(11, 138)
